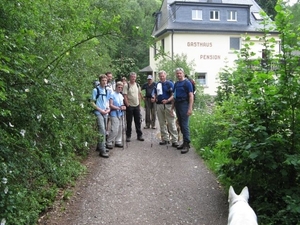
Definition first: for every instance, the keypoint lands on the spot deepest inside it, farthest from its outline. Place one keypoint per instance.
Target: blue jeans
(183, 119)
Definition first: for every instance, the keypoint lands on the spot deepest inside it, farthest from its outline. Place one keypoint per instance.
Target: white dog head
(233, 197)
(240, 213)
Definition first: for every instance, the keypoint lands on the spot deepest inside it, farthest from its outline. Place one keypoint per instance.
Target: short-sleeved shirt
(182, 90)
(103, 100)
(117, 101)
(163, 90)
(132, 93)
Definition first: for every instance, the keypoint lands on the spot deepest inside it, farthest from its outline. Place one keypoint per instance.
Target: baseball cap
(149, 77)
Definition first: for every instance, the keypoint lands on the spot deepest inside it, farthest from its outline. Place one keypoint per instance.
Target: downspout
(172, 47)
(249, 14)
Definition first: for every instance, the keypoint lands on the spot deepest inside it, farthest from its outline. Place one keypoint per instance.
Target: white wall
(210, 52)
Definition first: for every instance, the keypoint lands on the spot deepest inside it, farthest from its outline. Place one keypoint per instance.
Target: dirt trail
(144, 184)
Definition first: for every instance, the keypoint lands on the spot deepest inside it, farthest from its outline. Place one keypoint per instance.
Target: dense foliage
(253, 136)
(268, 6)
(50, 53)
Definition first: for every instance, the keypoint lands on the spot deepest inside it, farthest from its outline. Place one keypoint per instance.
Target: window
(265, 53)
(214, 15)
(235, 43)
(257, 16)
(196, 14)
(231, 15)
(201, 78)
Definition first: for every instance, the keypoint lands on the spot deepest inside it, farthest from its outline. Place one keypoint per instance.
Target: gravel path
(145, 183)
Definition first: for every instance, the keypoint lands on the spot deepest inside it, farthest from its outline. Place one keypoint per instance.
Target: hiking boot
(164, 142)
(183, 145)
(140, 138)
(185, 149)
(103, 153)
(127, 139)
(109, 146)
(175, 144)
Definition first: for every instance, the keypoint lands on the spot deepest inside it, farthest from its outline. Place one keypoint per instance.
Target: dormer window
(214, 15)
(231, 15)
(257, 16)
(196, 14)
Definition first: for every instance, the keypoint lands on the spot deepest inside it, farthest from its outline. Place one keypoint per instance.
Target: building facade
(208, 32)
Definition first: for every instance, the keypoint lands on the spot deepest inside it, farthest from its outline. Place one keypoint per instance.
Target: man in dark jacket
(150, 106)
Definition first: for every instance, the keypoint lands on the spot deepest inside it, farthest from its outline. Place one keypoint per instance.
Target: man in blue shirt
(183, 103)
(100, 102)
(163, 93)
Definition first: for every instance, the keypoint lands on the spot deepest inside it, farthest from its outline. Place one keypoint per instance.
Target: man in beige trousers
(163, 95)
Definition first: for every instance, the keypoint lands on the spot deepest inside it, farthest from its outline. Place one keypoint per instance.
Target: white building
(208, 32)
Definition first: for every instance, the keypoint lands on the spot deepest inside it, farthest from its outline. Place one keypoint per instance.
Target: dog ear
(231, 194)
(245, 193)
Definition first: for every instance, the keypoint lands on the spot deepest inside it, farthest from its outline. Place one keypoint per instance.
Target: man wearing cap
(150, 106)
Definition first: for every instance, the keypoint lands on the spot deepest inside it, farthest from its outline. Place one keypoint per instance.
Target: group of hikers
(117, 104)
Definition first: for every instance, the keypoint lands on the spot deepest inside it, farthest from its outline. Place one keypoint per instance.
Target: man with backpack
(100, 103)
(193, 85)
(132, 98)
(183, 104)
(163, 93)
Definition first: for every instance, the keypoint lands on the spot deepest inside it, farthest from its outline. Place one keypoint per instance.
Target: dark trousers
(183, 119)
(150, 108)
(135, 113)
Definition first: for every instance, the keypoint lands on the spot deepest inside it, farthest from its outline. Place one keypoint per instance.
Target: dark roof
(147, 69)
(170, 24)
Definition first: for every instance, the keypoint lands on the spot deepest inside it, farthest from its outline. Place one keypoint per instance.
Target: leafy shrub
(258, 107)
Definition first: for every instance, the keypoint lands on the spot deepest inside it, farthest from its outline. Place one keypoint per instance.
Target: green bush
(253, 137)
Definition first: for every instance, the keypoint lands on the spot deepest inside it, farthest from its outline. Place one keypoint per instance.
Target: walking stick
(151, 139)
(123, 131)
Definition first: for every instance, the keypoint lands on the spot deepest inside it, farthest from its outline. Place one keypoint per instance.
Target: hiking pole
(151, 139)
(167, 122)
(105, 127)
(123, 131)
(124, 126)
